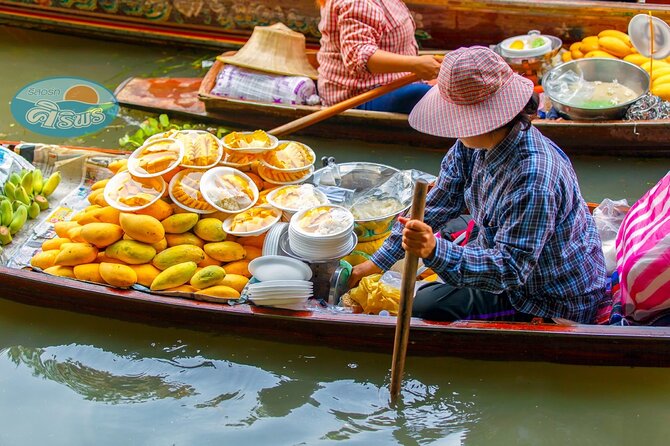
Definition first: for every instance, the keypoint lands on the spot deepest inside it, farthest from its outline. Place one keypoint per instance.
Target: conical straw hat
(274, 49)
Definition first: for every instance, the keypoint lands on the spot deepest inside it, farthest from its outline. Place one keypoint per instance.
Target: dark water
(68, 379)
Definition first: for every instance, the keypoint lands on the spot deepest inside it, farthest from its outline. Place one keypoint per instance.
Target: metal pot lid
(639, 31)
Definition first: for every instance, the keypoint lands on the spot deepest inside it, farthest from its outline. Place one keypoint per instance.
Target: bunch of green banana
(23, 196)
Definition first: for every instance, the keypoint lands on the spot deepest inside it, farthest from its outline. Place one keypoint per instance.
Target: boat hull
(506, 341)
(228, 23)
(180, 97)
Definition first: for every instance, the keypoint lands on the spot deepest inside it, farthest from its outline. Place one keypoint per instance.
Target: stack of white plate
(290, 294)
(322, 232)
(271, 243)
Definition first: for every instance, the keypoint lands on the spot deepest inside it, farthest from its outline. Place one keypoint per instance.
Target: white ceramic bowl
(228, 140)
(228, 222)
(209, 188)
(338, 213)
(280, 146)
(271, 197)
(123, 179)
(136, 156)
(219, 154)
(173, 184)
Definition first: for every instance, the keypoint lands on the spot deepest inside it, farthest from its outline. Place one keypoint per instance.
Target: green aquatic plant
(153, 126)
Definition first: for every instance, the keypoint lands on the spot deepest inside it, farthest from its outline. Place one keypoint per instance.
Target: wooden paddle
(338, 108)
(406, 297)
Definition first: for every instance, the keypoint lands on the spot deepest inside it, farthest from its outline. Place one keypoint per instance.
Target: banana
(6, 212)
(20, 217)
(27, 182)
(42, 202)
(5, 236)
(51, 184)
(17, 204)
(22, 195)
(33, 210)
(15, 179)
(38, 181)
(10, 189)
(616, 34)
(614, 46)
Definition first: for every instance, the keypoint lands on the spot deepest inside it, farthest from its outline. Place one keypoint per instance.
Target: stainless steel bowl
(598, 69)
(360, 178)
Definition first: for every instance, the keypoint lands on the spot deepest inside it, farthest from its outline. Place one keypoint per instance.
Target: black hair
(526, 115)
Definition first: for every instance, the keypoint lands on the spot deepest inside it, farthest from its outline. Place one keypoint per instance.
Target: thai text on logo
(64, 106)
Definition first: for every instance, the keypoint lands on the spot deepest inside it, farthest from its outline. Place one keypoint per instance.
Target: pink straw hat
(476, 92)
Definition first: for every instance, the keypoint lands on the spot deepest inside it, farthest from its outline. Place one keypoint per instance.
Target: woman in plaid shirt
(368, 43)
(537, 252)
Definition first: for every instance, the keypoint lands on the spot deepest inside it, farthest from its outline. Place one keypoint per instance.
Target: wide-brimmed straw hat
(476, 92)
(274, 49)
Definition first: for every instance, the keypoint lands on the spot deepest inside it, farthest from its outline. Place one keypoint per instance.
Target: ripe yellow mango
(174, 276)
(662, 90)
(101, 235)
(207, 277)
(183, 289)
(210, 229)
(62, 271)
(187, 238)
(100, 184)
(146, 273)
(256, 240)
(663, 79)
(589, 44)
(44, 259)
(160, 245)
(131, 252)
(178, 254)
(62, 227)
(180, 223)
(116, 165)
(72, 254)
(118, 275)
(208, 261)
(614, 46)
(240, 267)
(225, 251)
(160, 210)
(599, 53)
(102, 257)
(94, 195)
(220, 291)
(74, 234)
(616, 34)
(54, 243)
(143, 228)
(252, 252)
(107, 214)
(235, 281)
(566, 56)
(655, 65)
(89, 272)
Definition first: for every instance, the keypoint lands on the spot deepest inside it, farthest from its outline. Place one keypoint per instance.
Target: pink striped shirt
(351, 32)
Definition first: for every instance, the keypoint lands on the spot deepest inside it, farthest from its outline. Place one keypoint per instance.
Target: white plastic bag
(608, 217)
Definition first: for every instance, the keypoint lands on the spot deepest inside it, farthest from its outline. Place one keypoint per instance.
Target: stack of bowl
(291, 162)
(322, 233)
(293, 198)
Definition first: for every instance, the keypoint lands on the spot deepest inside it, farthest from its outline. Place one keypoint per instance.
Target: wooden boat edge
(578, 344)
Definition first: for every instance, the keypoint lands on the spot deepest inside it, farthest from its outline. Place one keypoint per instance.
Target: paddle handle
(333, 110)
(406, 297)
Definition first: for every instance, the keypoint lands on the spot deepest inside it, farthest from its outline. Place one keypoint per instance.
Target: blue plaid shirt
(537, 240)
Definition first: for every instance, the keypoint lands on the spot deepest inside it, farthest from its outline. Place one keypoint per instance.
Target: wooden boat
(180, 97)
(228, 23)
(508, 341)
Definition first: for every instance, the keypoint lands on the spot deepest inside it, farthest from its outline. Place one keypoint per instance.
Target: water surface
(68, 379)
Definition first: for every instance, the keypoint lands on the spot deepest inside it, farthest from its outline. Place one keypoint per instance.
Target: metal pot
(360, 177)
(598, 69)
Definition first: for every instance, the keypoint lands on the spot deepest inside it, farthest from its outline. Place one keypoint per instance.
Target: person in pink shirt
(366, 44)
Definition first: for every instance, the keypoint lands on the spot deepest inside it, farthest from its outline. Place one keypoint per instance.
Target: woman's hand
(417, 238)
(426, 67)
(362, 270)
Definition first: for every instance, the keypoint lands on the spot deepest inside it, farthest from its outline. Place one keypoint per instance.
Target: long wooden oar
(338, 108)
(406, 297)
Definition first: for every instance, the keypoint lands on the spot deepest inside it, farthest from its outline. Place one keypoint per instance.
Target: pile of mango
(616, 44)
(23, 196)
(161, 247)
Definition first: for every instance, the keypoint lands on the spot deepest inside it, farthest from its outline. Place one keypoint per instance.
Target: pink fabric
(476, 92)
(643, 254)
(351, 32)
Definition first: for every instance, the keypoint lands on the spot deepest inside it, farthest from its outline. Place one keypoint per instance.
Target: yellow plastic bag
(374, 296)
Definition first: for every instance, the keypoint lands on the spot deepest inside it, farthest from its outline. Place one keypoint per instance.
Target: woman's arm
(425, 67)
